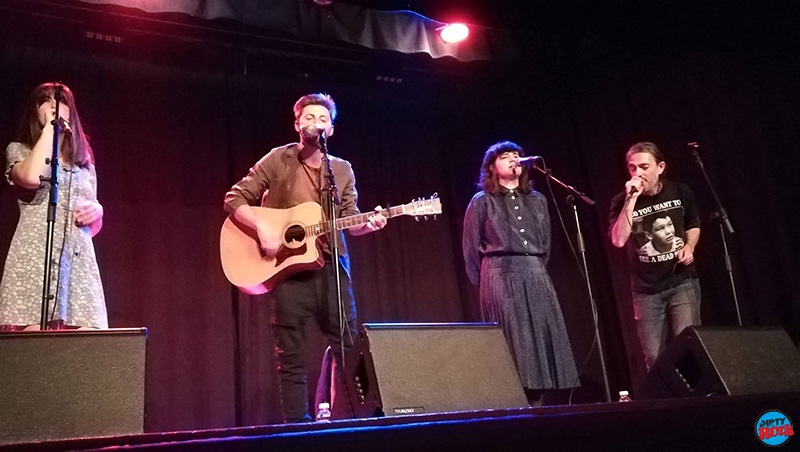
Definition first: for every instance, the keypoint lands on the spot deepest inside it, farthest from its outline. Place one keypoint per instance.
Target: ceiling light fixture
(451, 33)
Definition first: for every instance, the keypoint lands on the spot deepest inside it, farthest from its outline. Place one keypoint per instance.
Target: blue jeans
(679, 305)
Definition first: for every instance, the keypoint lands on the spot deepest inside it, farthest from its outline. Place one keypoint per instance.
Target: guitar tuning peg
(416, 219)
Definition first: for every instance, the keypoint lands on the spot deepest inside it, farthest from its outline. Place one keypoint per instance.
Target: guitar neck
(351, 221)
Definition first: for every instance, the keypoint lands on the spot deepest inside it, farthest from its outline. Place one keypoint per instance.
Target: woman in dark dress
(506, 245)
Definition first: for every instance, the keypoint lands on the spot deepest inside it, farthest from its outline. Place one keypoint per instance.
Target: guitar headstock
(422, 207)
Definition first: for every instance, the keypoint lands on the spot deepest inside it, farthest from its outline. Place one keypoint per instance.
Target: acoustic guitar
(248, 268)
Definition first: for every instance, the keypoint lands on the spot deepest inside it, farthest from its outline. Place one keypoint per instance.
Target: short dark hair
(487, 181)
(315, 99)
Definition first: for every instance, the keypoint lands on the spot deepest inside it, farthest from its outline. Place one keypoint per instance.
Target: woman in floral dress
(75, 284)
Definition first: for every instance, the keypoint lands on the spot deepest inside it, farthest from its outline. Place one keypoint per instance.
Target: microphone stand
(331, 202)
(52, 206)
(724, 225)
(574, 193)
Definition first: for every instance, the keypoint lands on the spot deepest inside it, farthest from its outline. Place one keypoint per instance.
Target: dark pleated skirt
(517, 293)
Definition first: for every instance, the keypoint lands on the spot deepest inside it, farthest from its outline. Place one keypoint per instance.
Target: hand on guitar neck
(375, 222)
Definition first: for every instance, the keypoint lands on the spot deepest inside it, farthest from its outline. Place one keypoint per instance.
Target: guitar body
(243, 260)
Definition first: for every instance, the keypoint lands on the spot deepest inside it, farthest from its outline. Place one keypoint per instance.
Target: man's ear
(661, 167)
(297, 126)
(331, 132)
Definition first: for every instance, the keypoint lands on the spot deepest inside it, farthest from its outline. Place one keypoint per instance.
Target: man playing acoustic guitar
(284, 178)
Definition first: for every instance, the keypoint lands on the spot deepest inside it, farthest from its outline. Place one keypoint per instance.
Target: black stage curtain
(170, 139)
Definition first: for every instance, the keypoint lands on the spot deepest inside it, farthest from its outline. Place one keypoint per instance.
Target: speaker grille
(752, 360)
(704, 361)
(71, 384)
(427, 368)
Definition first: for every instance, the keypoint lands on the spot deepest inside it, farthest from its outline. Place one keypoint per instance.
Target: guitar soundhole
(294, 234)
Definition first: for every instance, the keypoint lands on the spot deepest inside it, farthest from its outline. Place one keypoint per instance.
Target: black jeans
(304, 296)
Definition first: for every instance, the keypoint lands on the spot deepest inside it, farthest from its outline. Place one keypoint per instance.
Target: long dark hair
(487, 181)
(76, 148)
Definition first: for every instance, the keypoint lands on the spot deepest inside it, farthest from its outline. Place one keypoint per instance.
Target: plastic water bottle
(624, 397)
(324, 412)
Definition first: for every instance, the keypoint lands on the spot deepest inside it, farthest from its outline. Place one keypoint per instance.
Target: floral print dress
(75, 277)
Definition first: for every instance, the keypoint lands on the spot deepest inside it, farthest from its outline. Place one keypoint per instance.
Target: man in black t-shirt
(658, 221)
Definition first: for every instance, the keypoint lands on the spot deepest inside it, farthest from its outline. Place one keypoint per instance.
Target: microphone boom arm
(574, 191)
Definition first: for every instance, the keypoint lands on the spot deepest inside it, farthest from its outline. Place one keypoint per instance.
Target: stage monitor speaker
(704, 361)
(62, 384)
(400, 369)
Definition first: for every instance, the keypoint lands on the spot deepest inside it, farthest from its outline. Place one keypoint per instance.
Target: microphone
(313, 133)
(523, 160)
(64, 124)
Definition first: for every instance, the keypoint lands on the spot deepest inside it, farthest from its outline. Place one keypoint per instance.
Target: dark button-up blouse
(508, 223)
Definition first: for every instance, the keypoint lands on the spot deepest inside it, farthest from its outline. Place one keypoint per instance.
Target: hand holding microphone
(64, 124)
(634, 186)
(63, 119)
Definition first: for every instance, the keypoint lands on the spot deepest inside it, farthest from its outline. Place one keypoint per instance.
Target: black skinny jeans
(307, 295)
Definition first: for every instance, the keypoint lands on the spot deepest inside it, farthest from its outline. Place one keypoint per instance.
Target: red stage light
(453, 32)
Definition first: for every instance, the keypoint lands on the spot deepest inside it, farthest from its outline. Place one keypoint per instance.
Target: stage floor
(701, 424)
